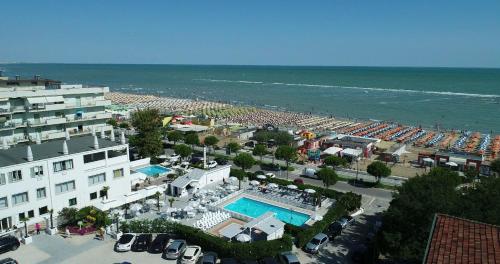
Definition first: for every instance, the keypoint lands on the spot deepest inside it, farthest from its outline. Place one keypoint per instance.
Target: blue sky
(363, 33)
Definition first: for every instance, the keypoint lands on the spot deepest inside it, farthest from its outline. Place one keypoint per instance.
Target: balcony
(12, 125)
(53, 135)
(47, 121)
(102, 102)
(88, 117)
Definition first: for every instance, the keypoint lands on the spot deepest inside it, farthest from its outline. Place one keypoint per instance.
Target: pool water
(255, 209)
(153, 170)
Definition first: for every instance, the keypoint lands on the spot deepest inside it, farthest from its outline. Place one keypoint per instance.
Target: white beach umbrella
(261, 177)
(254, 183)
(188, 208)
(135, 207)
(150, 201)
(243, 238)
(291, 186)
(272, 185)
(311, 191)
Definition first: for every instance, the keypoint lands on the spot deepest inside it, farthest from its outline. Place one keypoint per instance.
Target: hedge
(307, 234)
(254, 250)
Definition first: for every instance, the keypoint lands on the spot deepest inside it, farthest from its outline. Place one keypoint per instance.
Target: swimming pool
(153, 170)
(255, 209)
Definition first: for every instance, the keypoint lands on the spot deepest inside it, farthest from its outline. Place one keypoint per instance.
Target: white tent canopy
(291, 186)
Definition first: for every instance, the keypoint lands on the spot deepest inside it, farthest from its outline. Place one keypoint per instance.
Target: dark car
(196, 160)
(249, 262)
(288, 258)
(298, 181)
(345, 220)
(335, 229)
(8, 243)
(209, 258)
(159, 243)
(268, 260)
(228, 261)
(221, 160)
(142, 242)
(8, 261)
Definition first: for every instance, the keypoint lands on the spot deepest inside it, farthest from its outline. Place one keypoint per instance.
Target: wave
(360, 88)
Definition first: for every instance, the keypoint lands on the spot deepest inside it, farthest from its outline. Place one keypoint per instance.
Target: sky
(438, 33)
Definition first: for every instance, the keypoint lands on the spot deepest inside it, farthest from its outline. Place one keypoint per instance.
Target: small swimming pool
(153, 170)
(255, 209)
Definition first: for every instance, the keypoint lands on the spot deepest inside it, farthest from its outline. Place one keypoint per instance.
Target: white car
(125, 242)
(270, 175)
(212, 164)
(191, 255)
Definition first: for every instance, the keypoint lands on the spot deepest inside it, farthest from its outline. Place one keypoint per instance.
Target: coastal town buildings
(44, 109)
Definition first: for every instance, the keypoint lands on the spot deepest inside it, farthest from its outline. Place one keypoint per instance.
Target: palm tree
(126, 207)
(171, 201)
(24, 220)
(51, 212)
(157, 197)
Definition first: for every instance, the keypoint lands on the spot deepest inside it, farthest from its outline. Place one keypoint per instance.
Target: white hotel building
(44, 108)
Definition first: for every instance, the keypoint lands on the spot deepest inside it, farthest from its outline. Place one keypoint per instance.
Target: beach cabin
(197, 179)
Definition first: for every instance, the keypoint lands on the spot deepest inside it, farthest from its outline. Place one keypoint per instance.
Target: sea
(437, 98)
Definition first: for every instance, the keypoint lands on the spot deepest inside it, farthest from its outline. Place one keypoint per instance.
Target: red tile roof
(456, 240)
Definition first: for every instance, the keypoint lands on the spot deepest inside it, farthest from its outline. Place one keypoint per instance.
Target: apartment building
(68, 172)
(46, 109)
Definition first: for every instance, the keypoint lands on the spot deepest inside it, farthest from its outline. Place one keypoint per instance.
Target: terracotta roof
(456, 240)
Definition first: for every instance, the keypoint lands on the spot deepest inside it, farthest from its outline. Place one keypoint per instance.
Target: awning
(332, 150)
(231, 230)
(37, 100)
(352, 152)
(55, 99)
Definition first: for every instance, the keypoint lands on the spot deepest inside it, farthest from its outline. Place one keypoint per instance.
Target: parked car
(228, 261)
(159, 243)
(221, 160)
(191, 255)
(212, 164)
(209, 258)
(249, 262)
(316, 243)
(268, 260)
(345, 221)
(196, 160)
(288, 258)
(142, 242)
(334, 229)
(8, 243)
(309, 172)
(270, 175)
(125, 242)
(175, 249)
(8, 261)
(298, 181)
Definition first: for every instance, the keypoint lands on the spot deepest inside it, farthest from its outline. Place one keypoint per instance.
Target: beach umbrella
(254, 183)
(291, 186)
(232, 178)
(272, 185)
(451, 164)
(135, 207)
(243, 238)
(261, 177)
(311, 191)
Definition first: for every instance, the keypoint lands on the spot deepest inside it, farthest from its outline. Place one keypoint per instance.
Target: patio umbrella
(291, 186)
(188, 208)
(254, 183)
(135, 207)
(272, 185)
(243, 238)
(150, 201)
(311, 191)
(451, 164)
(232, 178)
(261, 177)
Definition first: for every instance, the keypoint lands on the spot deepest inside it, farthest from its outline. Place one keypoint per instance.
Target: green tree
(335, 161)
(378, 170)
(182, 150)
(149, 134)
(157, 196)
(244, 161)
(171, 201)
(471, 174)
(112, 122)
(240, 175)
(262, 137)
(328, 176)
(259, 150)
(126, 207)
(350, 201)
(233, 147)
(124, 125)
(286, 153)
(211, 141)
(175, 136)
(495, 166)
(192, 139)
(25, 220)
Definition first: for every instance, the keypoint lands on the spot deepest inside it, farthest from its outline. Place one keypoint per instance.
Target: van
(309, 172)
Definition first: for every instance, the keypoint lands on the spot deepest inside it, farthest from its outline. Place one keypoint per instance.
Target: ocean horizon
(448, 98)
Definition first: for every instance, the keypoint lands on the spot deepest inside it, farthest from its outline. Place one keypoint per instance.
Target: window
(118, 173)
(31, 214)
(94, 157)
(15, 176)
(20, 198)
(36, 171)
(65, 187)
(41, 193)
(93, 196)
(72, 201)
(2, 179)
(4, 203)
(96, 179)
(63, 165)
(117, 152)
(43, 210)
(22, 215)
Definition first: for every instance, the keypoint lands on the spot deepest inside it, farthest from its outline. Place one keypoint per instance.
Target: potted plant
(51, 230)
(26, 238)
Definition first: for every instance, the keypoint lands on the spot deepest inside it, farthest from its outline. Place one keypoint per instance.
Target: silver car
(316, 243)
(175, 249)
